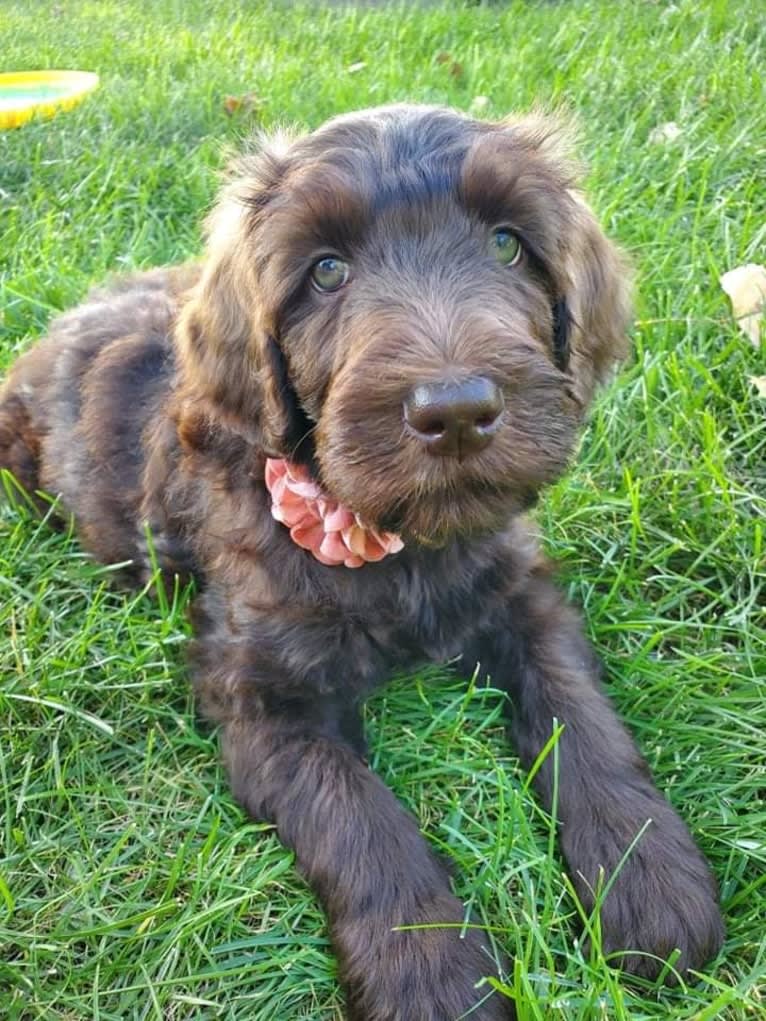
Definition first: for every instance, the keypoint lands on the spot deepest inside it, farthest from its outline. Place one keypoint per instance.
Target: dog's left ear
(595, 306)
(591, 307)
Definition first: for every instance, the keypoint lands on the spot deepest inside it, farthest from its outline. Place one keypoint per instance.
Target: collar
(319, 524)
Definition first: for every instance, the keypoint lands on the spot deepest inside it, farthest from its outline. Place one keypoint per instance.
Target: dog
(335, 422)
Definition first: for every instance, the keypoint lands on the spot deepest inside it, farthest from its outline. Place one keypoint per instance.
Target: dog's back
(76, 408)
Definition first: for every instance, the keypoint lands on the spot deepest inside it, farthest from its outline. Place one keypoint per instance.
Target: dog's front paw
(662, 905)
(421, 974)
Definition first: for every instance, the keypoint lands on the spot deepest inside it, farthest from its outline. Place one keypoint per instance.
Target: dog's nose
(454, 419)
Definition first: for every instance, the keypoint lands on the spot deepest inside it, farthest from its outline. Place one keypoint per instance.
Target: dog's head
(417, 304)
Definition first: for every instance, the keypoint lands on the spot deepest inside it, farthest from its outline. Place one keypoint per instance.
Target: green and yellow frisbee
(28, 94)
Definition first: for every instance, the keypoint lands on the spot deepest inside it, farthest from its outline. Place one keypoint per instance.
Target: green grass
(131, 886)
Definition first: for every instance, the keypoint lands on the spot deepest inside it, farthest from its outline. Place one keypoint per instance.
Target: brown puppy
(413, 309)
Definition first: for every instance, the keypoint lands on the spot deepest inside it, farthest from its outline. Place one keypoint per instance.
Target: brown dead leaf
(453, 67)
(746, 287)
(759, 382)
(249, 102)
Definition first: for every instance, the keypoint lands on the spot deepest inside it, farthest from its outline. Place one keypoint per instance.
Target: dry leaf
(746, 286)
(664, 133)
(455, 69)
(250, 102)
(759, 382)
(360, 65)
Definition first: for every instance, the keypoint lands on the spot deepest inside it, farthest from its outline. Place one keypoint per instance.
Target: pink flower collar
(330, 531)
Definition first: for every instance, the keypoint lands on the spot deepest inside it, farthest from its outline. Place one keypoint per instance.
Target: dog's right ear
(230, 361)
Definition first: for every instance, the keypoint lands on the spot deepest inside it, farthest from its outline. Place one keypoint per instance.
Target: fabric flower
(327, 529)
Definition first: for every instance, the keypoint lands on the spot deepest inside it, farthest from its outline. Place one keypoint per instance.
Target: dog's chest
(422, 608)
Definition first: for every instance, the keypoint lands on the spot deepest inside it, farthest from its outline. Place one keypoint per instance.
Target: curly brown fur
(158, 400)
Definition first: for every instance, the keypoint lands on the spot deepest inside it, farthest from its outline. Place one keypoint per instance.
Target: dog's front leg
(294, 752)
(606, 806)
(363, 856)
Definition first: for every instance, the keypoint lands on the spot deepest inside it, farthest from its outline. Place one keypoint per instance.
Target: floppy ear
(592, 308)
(232, 367)
(598, 302)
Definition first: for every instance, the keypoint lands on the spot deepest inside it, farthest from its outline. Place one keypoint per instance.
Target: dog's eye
(329, 274)
(505, 246)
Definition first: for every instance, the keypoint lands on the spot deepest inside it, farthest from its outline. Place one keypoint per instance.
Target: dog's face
(417, 303)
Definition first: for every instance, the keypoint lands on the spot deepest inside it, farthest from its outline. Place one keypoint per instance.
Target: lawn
(131, 886)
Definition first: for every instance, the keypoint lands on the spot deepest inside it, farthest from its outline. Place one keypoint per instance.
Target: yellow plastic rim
(28, 94)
